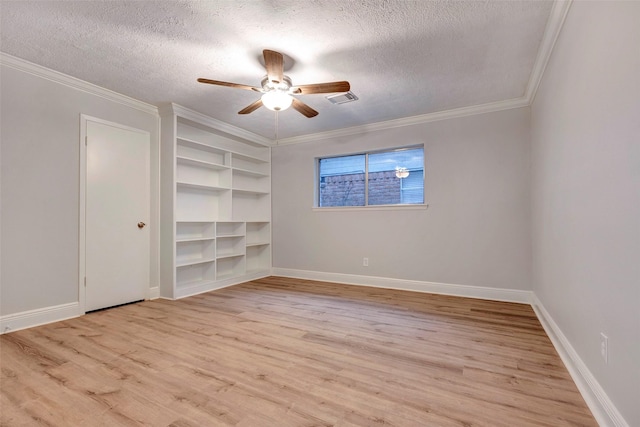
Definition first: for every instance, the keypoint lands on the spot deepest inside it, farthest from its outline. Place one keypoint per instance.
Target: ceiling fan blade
(274, 62)
(236, 85)
(303, 108)
(321, 88)
(251, 108)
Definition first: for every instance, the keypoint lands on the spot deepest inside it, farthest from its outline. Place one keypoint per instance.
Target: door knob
(141, 224)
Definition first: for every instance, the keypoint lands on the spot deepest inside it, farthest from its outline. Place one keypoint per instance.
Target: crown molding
(409, 121)
(224, 127)
(555, 22)
(554, 25)
(552, 30)
(74, 83)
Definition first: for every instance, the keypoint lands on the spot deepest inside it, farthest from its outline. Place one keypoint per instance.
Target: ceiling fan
(277, 89)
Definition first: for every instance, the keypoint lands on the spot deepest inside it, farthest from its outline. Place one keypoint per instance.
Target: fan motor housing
(268, 85)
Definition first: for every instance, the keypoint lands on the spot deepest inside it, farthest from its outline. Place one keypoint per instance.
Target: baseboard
(479, 292)
(41, 316)
(154, 292)
(219, 284)
(604, 411)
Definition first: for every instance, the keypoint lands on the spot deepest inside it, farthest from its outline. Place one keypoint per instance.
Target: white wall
(475, 232)
(586, 193)
(40, 186)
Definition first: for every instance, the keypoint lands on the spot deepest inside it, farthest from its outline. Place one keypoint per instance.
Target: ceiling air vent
(342, 98)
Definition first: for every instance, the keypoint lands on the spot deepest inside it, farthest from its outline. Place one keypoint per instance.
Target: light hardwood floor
(286, 352)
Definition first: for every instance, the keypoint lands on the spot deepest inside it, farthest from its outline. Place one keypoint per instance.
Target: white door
(117, 207)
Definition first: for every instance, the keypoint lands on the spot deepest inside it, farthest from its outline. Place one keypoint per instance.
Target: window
(392, 177)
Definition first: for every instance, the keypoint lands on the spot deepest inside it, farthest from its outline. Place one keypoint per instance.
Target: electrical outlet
(365, 262)
(604, 347)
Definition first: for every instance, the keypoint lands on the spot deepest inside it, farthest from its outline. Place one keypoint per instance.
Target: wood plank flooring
(288, 352)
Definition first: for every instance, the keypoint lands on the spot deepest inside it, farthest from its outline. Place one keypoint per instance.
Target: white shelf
(229, 236)
(200, 186)
(193, 239)
(249, 244)
(199, 145)
(250, 192)
(247, 157)
(236, 154)
(224, 256)
(188, 230)
(250, 172)
(200, 163)
(194, 262)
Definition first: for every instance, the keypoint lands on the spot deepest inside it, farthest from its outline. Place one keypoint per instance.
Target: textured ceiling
(402, 58)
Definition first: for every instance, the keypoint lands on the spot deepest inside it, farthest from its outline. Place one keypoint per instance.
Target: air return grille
(342, 98)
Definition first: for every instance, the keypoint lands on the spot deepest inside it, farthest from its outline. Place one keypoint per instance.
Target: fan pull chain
(277, 140)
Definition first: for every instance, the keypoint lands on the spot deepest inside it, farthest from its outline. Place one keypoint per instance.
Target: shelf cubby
(199, 204)
(258, 258)
(230, 267)
(255, 184)
(230, 229)
(250, 205)
(199, 151)
(195, 251)
(227, 246)
(188, 231)
(258, 233)
(195, 274)
(204, 174)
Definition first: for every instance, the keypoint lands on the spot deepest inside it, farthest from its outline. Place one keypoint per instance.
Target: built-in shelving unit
(216, 204)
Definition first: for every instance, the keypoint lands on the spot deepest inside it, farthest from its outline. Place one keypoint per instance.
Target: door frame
(82, 231)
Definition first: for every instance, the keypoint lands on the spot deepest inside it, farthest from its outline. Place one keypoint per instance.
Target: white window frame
(316, 202)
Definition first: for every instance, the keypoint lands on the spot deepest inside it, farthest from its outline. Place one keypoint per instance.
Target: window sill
(372, 208)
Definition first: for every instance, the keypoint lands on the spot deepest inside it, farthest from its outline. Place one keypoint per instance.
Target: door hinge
(85, 282)
(86, 139)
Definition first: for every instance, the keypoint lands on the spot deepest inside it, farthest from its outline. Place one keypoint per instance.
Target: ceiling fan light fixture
(276, 100)
(277, 88)
(402, 172)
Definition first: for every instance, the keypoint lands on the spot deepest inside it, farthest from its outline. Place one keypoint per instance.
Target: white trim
(554, 25)
(603, 409)
(82, 214)
(178, 110)
(555, 22)
(37, 317)
(219, 284)
(552, 30)
(479, 292)
(74, 83)
(415, 206)
(153, 292)
(409, 121)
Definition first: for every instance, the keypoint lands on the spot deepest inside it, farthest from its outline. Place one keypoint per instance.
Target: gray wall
(475, 232)
(586, 192)
(40, 186)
